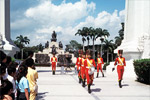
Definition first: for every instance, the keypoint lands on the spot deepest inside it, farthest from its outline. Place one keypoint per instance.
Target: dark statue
(53, 50)
(60, 45)
(54, 37)
(67, 49)
(46, 44)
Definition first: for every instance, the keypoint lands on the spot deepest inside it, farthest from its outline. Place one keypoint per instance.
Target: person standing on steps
(99, 65)
(53, 62)
(120, 62)
(78, 66)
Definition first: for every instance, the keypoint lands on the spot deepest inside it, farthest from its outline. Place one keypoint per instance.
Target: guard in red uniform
(99, 65)
(83, 75)
(120, 62)
(53, 62)
(78, 66)
(89, 70)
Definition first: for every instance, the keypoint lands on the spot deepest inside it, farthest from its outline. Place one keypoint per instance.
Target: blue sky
(38, 18)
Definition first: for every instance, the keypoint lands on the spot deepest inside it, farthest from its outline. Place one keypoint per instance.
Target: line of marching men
(85, 66)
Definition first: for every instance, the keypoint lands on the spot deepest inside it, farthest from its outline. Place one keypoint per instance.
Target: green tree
(21, 41)
(108, 47)
(75, 45)
(83, 34)
(118, 39)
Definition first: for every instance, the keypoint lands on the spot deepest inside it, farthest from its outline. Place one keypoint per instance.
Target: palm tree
(86, 33)
(93, 35)
(118, 41)
(108, 46)
(121, 31)
(22, 40)
(82, 33)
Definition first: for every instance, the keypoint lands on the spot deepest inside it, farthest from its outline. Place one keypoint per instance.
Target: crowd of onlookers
(17, 81)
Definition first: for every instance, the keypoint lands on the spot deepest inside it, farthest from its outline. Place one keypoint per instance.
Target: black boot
(83, 83)
(120, 84)
(89, 88)
(103, 74)
(97, 75)
(53, 72)
(80, 80)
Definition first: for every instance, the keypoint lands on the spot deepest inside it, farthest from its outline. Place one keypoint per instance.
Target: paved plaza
(66, 87)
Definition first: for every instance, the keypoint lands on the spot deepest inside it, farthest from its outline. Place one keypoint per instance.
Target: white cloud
(105, 20)
(64, 19)
(65, 13)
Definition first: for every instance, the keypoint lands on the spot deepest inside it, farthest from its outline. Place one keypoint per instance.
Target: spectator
(32, 76)
(6, 89)
(3, 57)
(8, 62)
(22, 83)
(3, 60)
(30, 55)
(2, 73)
(11, 74)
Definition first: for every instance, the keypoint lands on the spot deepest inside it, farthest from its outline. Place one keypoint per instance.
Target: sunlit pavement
(66, 87)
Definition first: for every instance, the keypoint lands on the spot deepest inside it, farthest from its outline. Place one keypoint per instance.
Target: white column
(137, 24)
(9, 48)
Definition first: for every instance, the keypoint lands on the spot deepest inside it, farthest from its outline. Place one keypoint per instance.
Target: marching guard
(120, 62)
(83, 75)
(99, 65)
(78, 65)
(53, 62)
(89, 70)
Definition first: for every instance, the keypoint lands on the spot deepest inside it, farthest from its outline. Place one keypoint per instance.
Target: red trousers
(99, 66)
(83, 76)
(53, 66)
(79, 71)
(89, 77)
(120, 70)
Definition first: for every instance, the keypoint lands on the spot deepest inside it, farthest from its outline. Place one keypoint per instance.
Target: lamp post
(102, 40)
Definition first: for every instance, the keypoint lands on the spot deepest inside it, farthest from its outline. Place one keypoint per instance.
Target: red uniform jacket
(120, 62)
(78, 61)
(100, 61)
(53, 59)
(87, 64)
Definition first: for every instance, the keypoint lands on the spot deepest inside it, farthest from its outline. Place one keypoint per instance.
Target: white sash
(120, 61)
(100, 60)
(89, 63)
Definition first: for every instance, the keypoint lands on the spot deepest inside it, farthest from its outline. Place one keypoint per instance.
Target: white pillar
(137, 25)
(9, 48)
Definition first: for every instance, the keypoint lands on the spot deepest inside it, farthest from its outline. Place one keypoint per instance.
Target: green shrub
(105, 65)
(142, 70)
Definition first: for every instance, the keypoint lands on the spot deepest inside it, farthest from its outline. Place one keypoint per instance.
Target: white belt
(88, 67)
(120, 64)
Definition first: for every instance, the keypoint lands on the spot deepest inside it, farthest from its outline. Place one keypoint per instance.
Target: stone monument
(6, 44)
(50, 48)
(136, 43)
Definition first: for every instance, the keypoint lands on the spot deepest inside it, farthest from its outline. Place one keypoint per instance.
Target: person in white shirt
(11, 74)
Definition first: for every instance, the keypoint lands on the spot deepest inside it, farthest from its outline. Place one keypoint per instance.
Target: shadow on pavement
(48, 71)
(41, 96)
(125, 84)
(96, 90)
